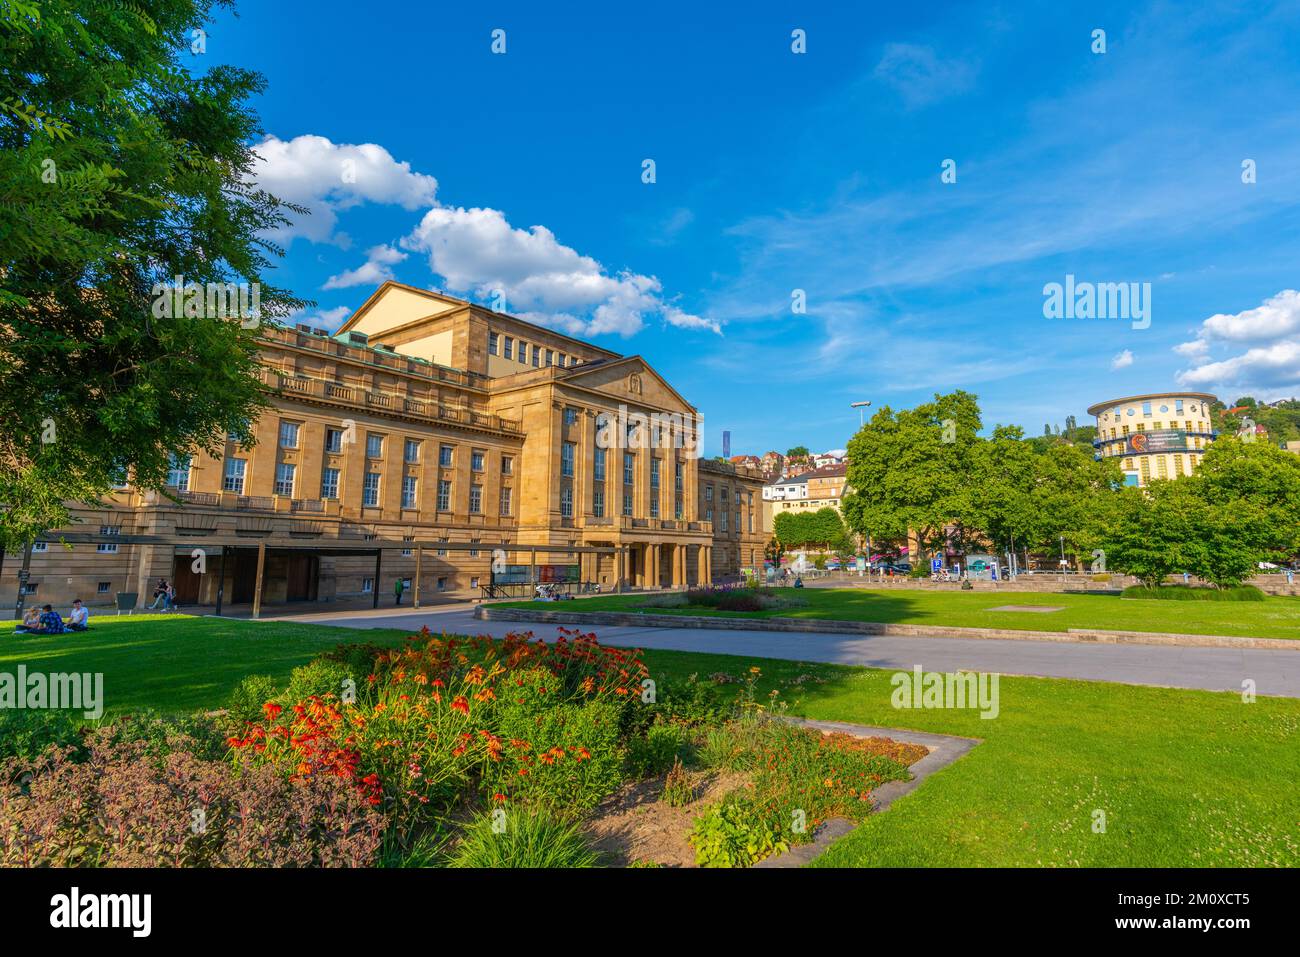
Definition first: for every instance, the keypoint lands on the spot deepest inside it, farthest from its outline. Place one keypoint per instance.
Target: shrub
(122, 807)
(747, 600)
(677, 791)
(246, 701)
(162, 734)
(358, 658)
(690, 702)
(1188, 593)
(26, 734)
(320, 678)
(736, 832)
(655, 753)
(531, 838)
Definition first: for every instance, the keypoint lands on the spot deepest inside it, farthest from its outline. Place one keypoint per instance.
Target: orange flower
(460, 704)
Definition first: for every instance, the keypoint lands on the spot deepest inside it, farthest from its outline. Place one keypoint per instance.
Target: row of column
(649, 574)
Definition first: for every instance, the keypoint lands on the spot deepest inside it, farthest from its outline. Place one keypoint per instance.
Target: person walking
(399, 586)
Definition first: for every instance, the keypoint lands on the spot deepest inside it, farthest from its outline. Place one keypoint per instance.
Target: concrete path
(1214, 669)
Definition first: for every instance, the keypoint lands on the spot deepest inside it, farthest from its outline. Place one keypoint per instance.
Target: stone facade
(419, 422)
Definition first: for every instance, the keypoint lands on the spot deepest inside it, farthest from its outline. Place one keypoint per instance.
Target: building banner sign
(1166, 440)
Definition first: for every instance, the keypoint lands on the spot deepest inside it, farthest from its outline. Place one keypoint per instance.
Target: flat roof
(1207, 396)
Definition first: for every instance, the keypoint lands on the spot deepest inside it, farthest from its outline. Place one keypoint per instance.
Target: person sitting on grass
(79, 617)
(159, 596)
(51, 622)
(31, 621)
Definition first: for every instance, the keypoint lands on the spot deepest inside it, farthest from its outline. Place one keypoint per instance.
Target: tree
(773, 551)
(912, 470)
(798, 452)
(120, 168)
(1263, 482)
(1146, 533)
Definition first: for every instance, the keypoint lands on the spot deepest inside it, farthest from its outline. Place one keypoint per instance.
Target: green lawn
(1276, 617)
(1184, 777)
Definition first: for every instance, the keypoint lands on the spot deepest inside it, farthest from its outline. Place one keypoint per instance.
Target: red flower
(460, 704)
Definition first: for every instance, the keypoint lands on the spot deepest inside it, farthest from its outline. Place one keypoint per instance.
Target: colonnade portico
(662, 564)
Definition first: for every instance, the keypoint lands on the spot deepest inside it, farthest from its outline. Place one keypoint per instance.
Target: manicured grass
(1184, 777)
(176, 662)
(1275, 617)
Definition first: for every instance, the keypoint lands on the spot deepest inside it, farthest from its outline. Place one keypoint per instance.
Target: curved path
(1213, 669)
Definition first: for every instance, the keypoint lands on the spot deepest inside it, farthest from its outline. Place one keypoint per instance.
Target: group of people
(47, 621)
(164, 595)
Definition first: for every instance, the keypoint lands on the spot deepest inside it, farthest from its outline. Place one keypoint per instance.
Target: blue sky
(775, 171)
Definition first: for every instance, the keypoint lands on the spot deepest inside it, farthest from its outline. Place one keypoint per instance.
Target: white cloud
(378, 267)
(327, 177)
(1123, 360)
(475, 250)
(479, 252)
(918, 74)
(1268, 369)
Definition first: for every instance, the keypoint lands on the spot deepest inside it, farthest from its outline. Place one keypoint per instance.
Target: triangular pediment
(631, 380)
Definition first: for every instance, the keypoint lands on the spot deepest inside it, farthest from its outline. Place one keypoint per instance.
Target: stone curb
(827, 626)
(946, 750)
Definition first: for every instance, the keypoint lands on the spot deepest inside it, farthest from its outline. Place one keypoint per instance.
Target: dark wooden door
(186, 582)
(245, 577)
(301, 571)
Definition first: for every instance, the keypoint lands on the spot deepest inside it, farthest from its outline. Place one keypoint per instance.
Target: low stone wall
(618, 619)
(1046, 582)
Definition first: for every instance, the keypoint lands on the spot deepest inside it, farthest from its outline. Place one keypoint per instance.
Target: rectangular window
(476, 461)
(476, 499)
(40, 546)
(537, 356)
(654, 474)
(677, 477)
(442, 582)
(288, 435)
(723, 517)
(444, 496)
(442, 552)
(411, 451)
(370, 494)
(284, 474)
(566, 502)
(444, 456)
(374, 446)
(178, 473)
(550, 357)
(629, 465)
(598, 465)
(654, 504)
(509, 352)
(679, 509)
(566, 459)
(1178, 406)
(708, 493)
(333, 440)
(627, 500)
(506, 492)
(708, 514)
(232, 479)
(409, 483)
(329, 483)
(494, 342)
(507, 465)
(570, 415)
(598, 503)
(367, 585)
(473, 552)
(106, 548)
(563, 359)
(1146, 409)
(102, 588)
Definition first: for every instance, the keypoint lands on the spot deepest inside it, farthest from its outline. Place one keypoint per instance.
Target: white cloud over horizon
(1269, 368)
(475, 250)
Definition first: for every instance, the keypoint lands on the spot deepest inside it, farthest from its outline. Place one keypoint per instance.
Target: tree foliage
(823, 528)
(120, 169)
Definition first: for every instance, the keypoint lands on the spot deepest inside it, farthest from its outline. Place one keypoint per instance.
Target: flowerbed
(451, 750)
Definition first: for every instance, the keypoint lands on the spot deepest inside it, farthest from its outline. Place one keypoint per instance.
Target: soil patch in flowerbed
(636, 826)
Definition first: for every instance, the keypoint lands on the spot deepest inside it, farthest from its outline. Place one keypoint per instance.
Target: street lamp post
(860, 406)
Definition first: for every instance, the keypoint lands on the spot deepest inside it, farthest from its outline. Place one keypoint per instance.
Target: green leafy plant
(735, 832)
(656, 752)
(250, 694)
(507, 838)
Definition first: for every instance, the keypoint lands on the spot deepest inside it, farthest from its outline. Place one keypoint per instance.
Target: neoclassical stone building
(425, 420)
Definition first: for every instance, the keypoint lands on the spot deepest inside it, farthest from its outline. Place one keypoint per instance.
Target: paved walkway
(1214, 669)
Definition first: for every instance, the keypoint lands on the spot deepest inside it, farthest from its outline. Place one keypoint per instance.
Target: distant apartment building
(1162, 435)
(817, 489)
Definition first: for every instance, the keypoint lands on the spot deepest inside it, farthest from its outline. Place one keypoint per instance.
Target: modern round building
(1158, 436)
